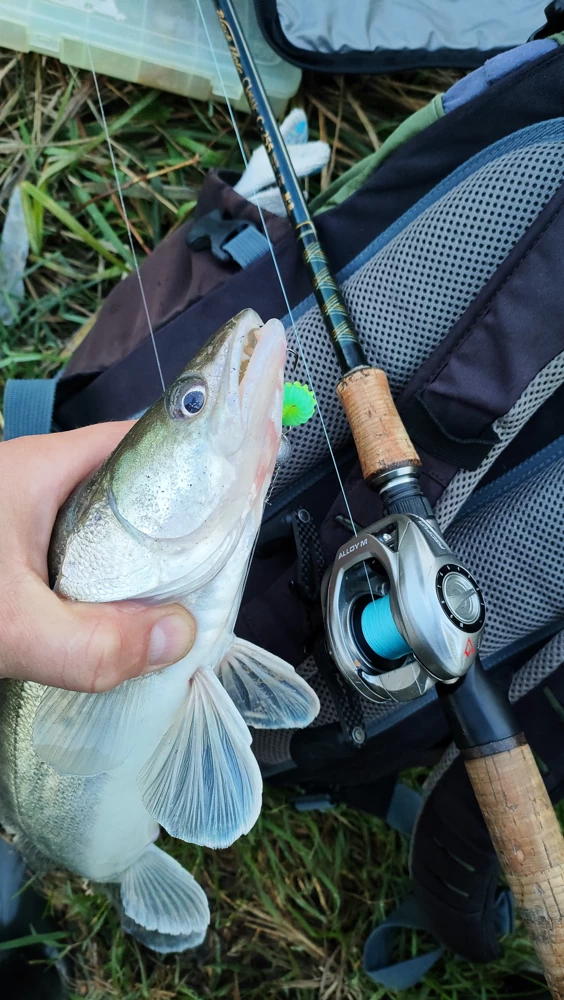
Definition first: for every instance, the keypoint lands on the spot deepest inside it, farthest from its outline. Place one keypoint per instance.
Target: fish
(88, 779)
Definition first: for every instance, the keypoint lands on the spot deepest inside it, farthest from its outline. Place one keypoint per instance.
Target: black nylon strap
(310, 567)
(455, 869)
(310, 560)
(347, 701)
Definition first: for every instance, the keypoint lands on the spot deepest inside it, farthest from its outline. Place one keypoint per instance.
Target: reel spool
(401, 611)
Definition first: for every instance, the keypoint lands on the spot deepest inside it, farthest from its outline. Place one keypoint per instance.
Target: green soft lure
(298, 404)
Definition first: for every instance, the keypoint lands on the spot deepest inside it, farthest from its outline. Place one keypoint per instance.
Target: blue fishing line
(381, 632)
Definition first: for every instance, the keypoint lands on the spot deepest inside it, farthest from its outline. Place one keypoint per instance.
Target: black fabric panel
(133, 384)
(532, 93)
(455, 869)
(510, 331)
(426, 429)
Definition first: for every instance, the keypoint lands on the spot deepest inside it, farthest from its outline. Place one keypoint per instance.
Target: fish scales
(86, 780)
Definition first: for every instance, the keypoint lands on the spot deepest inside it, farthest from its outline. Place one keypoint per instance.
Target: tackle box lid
(158, 43)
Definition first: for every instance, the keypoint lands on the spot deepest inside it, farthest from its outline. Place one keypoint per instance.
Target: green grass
(293, 902)
(52, 143)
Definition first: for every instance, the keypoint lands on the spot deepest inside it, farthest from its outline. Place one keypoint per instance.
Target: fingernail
(171, 639)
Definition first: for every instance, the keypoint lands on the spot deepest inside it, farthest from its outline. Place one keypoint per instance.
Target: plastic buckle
(213, 231)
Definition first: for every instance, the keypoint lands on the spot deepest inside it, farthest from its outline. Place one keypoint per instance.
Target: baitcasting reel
(398, 593)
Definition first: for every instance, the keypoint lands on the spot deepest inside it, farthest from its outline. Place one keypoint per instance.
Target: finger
(89, 647)
(69, 456)
(39, 473)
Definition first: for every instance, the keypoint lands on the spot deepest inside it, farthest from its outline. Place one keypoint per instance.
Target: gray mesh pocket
(512, 538)
(404, 297)
(538, 668)
(419, 277)
(514, 542)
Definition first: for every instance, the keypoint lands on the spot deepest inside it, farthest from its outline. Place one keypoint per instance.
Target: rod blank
(339, 324)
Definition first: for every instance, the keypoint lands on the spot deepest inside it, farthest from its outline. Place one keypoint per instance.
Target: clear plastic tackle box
(158, 43)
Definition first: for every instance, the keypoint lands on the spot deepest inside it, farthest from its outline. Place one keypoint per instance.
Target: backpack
(448, 245)
(330, 37)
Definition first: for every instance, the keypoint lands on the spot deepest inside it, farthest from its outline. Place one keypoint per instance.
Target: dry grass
(51, 141)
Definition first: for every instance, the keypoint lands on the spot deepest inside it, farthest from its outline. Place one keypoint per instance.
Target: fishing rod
(398, 592)
(388, 458)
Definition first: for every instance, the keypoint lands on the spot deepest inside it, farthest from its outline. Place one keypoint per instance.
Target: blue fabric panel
(402, 975)
(403, 809)
(28, 407)
(307, 803)
(247, 246)
(379, 946)
(504, 913)
(475, 83)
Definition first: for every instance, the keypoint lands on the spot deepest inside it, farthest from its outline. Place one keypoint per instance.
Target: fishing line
(125, 216)
(276, 268)
(268, 239)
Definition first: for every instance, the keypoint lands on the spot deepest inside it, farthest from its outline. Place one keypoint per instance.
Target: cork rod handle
(529, 843)
(381, 439)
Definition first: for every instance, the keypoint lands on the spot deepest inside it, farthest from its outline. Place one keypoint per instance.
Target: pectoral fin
(203, 784)
(89, 734)
(267, 691)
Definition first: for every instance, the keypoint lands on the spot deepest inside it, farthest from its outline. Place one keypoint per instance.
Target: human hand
(82, 647)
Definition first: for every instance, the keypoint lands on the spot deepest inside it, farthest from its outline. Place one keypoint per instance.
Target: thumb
(91, 647)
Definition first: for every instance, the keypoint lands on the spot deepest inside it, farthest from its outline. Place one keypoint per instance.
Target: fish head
(188, 478)
(205, 452)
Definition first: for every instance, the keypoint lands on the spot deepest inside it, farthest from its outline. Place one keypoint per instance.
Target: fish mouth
(248, 346)
(258, 363)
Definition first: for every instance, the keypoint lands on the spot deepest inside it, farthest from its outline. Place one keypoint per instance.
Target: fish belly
(94, 826)
(97, 826)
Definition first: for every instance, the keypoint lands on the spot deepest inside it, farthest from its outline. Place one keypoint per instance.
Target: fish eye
(188, 399)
